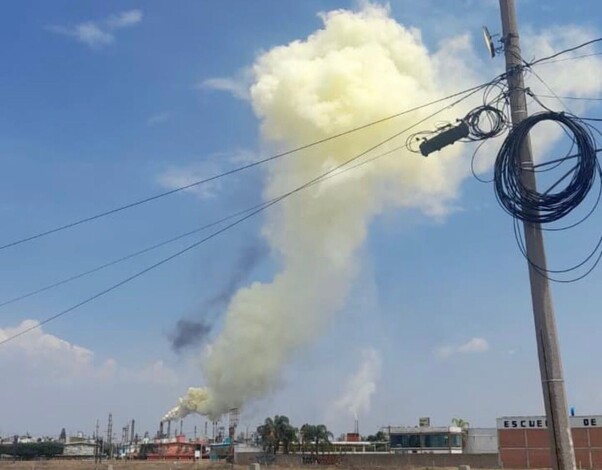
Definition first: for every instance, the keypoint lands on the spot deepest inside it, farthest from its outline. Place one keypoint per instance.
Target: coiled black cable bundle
(495, 118)
(530, 205)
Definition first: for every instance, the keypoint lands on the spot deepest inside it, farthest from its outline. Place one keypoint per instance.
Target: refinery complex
(514, 442)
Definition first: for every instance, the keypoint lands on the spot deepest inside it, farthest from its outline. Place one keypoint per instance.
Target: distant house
(79, 449)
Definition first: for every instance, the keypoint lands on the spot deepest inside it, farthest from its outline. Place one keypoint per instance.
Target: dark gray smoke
(190, 333)
(250, 257)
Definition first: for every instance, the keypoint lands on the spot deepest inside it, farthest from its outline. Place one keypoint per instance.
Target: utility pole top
(550, 363)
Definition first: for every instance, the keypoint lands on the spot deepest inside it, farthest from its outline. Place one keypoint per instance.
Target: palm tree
(307, 435)
(460, 423)
(274, 432)
(322, 435)
(315, 433)
(378, 437)
(464, 425)
(267, 436)
(285, 433)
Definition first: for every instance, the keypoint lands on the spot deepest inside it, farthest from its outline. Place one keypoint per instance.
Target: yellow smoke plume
(361, 66)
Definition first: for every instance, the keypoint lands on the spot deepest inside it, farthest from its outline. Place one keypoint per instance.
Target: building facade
(524, 442)
(481, 441)
(424, 439)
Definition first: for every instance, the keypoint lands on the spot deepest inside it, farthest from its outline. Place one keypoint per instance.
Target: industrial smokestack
(132, 434)
(161, 430)
(169, 429)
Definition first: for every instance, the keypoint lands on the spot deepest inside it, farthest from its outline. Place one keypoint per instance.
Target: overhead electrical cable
(226, 173)
(583, 56)
(481, 123)
(468, 93)
(576, 98)
(530, 205)
(564, 51)
(258, 162)
(545, 207)
(558, 98)
(174, 239)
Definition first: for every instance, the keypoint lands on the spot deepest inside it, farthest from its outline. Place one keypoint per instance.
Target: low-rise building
(524, 441)
(481, 441)
(424, 439)
(79, 449)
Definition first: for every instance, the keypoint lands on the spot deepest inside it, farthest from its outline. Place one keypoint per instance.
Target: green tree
(33, 450)
(285, 433)
(276, 432)
(460, 423)
(464, 425)
(267, 436)
(316, 434)
(378, 437)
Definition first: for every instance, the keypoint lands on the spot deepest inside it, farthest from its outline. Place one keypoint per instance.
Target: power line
(258, 162)
(528, 204)
(576, 98)
(124, 258)
(224, 174)
(564, 51)
(571, 58)
(163, 261)
(558, 98)
(173, 239)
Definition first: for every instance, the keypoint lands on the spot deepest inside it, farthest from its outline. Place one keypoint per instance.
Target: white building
(481, 441)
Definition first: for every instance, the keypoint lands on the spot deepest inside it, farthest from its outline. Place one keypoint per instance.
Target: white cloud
(157, 373)
(45, 353)
(38, 343)
(176, 177)
(48, 355)
(473, 346)
(227, 84)
(239, 85)
(92, 35)
(49, 383)
(124, 19)
(575, 77)
(97, 34)
(158, 118)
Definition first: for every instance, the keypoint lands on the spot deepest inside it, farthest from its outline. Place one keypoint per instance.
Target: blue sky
(120, 112)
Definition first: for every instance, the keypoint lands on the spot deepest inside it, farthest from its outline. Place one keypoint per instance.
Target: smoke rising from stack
(361, 385)
(190, 333)
(359, 67)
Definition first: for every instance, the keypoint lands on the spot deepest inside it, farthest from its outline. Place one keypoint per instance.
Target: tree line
(279, 435)
(32, 450)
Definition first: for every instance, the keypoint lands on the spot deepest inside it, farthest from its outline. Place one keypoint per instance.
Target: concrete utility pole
(550, 363)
